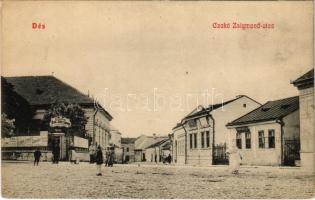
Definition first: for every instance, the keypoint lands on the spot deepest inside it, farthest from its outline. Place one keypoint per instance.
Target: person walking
(37, 155)
(92, 153)
(235, 160)
(169, 158)
(111, 159)
(99, 161)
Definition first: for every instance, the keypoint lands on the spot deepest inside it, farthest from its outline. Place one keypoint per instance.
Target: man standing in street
(37, 155)
(99, 160)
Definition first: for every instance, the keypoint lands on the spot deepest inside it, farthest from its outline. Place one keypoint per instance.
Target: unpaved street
(22, 180)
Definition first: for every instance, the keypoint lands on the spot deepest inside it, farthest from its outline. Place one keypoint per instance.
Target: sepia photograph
(157, 100)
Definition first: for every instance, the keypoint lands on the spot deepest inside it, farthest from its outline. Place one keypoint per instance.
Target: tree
(7, 126)
(73, 112)
(15, 107)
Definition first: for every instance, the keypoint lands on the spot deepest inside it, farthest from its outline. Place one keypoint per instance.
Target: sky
(148, 63)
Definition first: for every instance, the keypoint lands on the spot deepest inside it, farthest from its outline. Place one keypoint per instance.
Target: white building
(201, 135)
(269, 135)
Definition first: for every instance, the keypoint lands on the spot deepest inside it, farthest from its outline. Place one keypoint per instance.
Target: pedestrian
(111, 159)
(234, 160)
(37, 155)
(92, 153)
(107, 157)
(99, 161)
(56, 153)
(169, 158)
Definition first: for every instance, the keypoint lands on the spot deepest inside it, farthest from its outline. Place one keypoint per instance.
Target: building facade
(305, 85)
(201, 135)
(41, 92)
(158, 151)
(128, 148)
(269, 135)
(142, 143)
(115, 144)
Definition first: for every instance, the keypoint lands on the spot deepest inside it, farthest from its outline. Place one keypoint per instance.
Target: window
(192, 124)
(127, 149)
(239, 140)
(190, 141)
(244, 105)
(195, 140)
(202, 139)
(261, 139)
(208, 138)
(248, 140)
(271, 138)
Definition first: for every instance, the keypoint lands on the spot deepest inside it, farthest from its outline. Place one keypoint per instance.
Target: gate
(291, 152)
(219, 155)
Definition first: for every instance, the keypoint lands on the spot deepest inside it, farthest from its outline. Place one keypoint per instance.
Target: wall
(199, 155)
(307, 134)
(150, 154)
(131, 153)
(115, 138)
(291, 127)
(101, 127)
(178, 153)
(256, 155)
(138, 155)
(228, 113)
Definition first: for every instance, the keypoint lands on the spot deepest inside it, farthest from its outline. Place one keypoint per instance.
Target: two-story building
(43, 91)
(128, 148)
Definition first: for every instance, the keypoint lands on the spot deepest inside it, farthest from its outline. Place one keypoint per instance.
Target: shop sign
(60, 122)
(80, 142)
(25, 141)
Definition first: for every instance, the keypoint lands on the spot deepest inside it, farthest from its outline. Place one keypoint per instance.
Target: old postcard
(157, 99)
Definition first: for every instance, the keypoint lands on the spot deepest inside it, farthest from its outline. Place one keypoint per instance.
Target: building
(158, 151)
(128, 148)
(115, 144)
(143, 142)
(269, 135)
(179, 145)
(305, 85)
(200, 138)
(43, 91)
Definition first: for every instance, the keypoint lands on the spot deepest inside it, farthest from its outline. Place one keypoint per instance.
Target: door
(291, 152)
(219, 155)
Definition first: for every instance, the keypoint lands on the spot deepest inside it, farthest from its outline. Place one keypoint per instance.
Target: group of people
(97, 156)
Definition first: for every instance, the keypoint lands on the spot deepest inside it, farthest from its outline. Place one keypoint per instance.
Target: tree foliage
(7, 126)
(73, 112)
(15, 107)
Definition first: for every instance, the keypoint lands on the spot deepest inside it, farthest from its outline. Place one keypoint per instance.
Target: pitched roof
(271, 110)
(158, 143)
(306, 80)
(148, 141)
(128, 140)
(213, 107)
(46, 90)
(177, 125)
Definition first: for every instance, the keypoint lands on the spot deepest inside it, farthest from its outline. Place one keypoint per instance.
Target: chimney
(154, 135)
